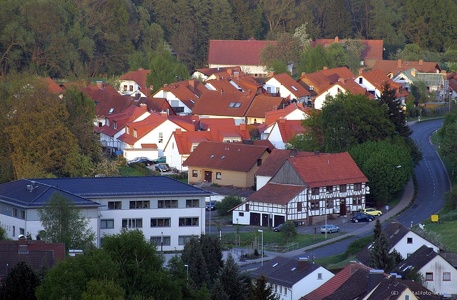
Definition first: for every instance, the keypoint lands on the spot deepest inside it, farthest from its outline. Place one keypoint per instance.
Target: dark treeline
(81, 39)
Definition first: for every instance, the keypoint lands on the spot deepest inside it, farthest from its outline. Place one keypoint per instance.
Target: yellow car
(372, 211)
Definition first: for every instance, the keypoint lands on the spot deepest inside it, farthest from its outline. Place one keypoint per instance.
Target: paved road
(432, 182)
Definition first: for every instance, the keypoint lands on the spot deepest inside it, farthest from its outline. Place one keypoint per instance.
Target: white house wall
(174, 158)
(275, 137)
(172, 100)
(310, 283)
(438, 266)
(333, 91)
(406, 249)
(129, 83)
(368, 86)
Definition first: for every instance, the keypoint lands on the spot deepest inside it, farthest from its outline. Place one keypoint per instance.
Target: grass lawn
(446, 228)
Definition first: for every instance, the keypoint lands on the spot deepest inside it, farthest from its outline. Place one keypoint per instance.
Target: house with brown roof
(283, 131)
(400, 238)
(107, 101)
(182, 143)
(231, 80)
(452, 82)
(261, 105)
(182, 95)
(242, 53)
(40, 256)
(393, 67)
(147, 137)
(291, 278)
(115, 126)
(374, 80)
(225, 164)
(373, 49)
(133, 83)
(434, 82)
(306, 188)
(283, 85)
(440, 276)
(204, 73)
(342, 86)
(294, 111)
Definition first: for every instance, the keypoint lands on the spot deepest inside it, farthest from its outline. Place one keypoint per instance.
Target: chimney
(236, 74)
(336, 39)
(342, 80)
(282, 121)
(413, 72)
(243, 126)
(325, 68)
(192, 84)
(229, 71)
(353, 266)
(163, 113)
(271, 74)
(143, 106)
(421, 62)
(399, 63)
(360, 72)
(178, 131)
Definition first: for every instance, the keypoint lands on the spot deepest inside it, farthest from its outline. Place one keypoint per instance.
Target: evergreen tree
(380, 256)
(217, 292)
(231, 281)
(212, 252)
(192, 255)
(396, 113)
(261, 290)
(21, 282)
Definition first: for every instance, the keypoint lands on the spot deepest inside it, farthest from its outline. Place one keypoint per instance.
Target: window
(15, 212)
(168, 204)
(299, 206)
(135, 133)
(330, 203)
(160, 137)
(218, 175)
(319, 276)
(194, 173)
(125, 87)
(311, 87)
(131, 88)
(285, 291)
(241, 214)
(406, 297)
(193, 221)
(139, 204)
(259, 162)
(446, 276)
(246, 207)
(235, 104)
(329, 189)
(183, 239)
(357, 200)
(114, 205)
(192, 203)
(158, 240)
(357, 187)
(107, 224)
(360, 80)
(127, 130)
(314, 204)
(22, 216)
(343, 188)
(160, 222)
(429, 276)
(114, 124)
(315, 191)
(22, 231)
(409, 240)
(132, 223)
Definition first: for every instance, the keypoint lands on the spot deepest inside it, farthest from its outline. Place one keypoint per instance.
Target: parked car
(278, 228)
(160, 160)
(361, 217)
(162, 168)
(211, 205)
(142, 160)
(372, 211)
(329, 228)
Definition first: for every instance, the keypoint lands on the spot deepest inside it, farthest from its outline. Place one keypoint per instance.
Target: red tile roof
(142, 128)
(276, 193)
(205, 123)
(188, 91)
(273, 115)
(326, 169)
(53, 87)
(189, 123)
(186, 139)
(225, 156)
(107, 100)
(373, 48)
(211, 71)
(263, 104)
(156, 105)
(140, 77)
(323, 79)
(276, 159)
(377, 78)
(121, 119)
(290, 128)
(227, 104)
(236, 52)
(396, 66)
(335, 282)
(293, 86)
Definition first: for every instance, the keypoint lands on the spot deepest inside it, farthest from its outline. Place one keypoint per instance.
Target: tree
(288, 231)
(286, 51)
(231, 281)
(396, 113)
(312, 59)
(103, 289)
(449, 144)
(63, 223)
(277, 13)
(227, 204)
(380, 256)
(21, 282)
(261, 290)
(212, 252)
(192, 255)
(140, 267)
(3, 234)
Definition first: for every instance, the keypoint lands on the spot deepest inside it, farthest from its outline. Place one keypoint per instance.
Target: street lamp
(260, 230)
(187, 275)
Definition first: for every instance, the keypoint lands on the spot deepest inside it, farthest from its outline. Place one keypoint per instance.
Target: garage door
(255, 219)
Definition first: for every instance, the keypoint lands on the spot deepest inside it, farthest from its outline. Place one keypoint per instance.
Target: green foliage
(286, 51)
(288, 231)
(20, 282)
(227, 204)
(450, 200)
(192, 255)
(103, 290)
(449, 141)
(3, 234)
(165, 69)
(380, 256)
(261, 290)
(388, 165)
(212, 252)
(63, 223)
(357, 245)
(231, 281)
(396, 114)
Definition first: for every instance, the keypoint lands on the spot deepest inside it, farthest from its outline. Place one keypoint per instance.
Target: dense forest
(92, 38)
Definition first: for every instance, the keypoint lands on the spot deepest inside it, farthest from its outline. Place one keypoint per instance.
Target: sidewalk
(404, 202)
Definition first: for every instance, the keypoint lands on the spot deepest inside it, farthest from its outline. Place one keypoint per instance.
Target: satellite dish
(421, 226)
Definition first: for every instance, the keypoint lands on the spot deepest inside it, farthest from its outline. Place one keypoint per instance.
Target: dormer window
(135, 133)
(111, 110)
(360, 80)
(114, 124)
(235, 104)
(127, 129)
(294, 88)
(311, 87)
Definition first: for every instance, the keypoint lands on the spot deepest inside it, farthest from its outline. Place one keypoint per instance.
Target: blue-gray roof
(36, 192)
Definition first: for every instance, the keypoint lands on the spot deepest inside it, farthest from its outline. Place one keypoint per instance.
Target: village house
(133, 84)
(283, 85)
(283, 131)
(392, 67)
(307, 188)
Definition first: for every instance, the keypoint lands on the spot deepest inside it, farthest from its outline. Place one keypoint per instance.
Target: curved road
(432, 182)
